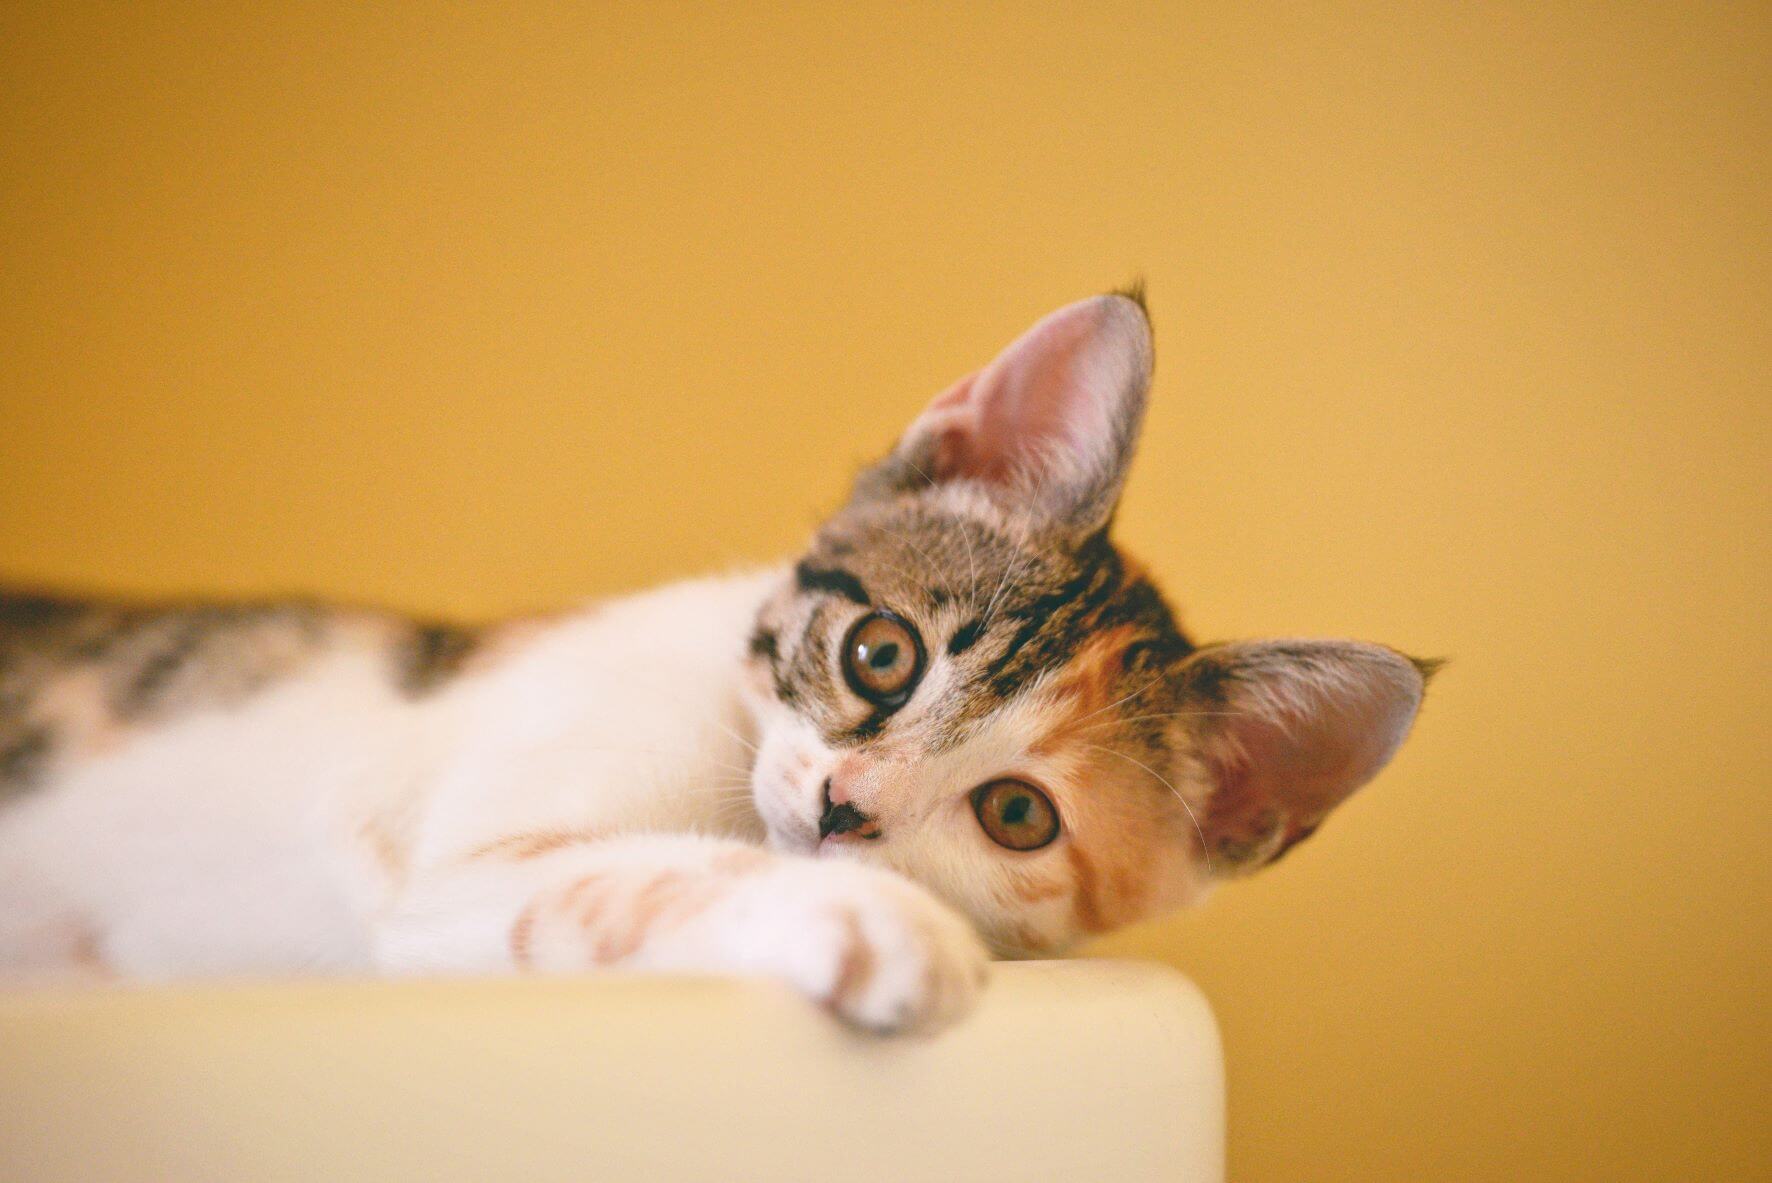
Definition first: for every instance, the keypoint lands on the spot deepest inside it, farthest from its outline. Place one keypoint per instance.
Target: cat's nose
(841, 817)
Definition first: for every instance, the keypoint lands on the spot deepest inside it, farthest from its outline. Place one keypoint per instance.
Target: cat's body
(962, 685)
(161, 764)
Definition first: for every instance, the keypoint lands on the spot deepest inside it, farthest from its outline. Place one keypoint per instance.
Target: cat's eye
(882, 659)
(1015, 814)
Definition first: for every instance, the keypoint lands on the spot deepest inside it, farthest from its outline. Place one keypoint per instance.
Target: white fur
(548, 804)
(255, 839)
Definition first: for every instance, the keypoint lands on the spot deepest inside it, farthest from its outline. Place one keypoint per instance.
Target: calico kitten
(962, 720)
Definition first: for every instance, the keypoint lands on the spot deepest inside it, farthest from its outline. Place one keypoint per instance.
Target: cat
(963, 723)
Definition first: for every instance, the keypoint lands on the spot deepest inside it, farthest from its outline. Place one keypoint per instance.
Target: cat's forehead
(1001, 609)
(932, 551)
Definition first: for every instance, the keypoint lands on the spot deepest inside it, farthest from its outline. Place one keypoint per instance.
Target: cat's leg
(875, 948)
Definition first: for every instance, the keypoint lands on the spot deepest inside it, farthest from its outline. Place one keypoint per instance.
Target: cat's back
(158, 758)
(203, 787)
(84, 677)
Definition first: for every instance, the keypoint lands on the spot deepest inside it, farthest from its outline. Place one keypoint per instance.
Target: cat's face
(966, 681)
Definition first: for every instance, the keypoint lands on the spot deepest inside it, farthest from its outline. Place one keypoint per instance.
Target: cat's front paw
(876, 949)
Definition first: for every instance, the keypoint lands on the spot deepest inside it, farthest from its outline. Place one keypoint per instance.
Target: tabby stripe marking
(835, 580)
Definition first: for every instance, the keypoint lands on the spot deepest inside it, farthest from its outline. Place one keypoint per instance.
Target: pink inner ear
(1050, 398)
(1294, 741)
(951, 420)
(1275, 787)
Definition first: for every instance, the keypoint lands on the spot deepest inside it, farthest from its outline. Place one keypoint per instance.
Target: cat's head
(967, 681)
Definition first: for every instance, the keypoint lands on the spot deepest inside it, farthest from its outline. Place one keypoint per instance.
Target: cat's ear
(1286, 731)
(1051, 422)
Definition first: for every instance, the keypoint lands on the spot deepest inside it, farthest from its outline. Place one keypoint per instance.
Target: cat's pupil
(883, 657)
(1016, 811)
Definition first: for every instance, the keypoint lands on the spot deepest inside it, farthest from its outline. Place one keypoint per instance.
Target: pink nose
(841, 817)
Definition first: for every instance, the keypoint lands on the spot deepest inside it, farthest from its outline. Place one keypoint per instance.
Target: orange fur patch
(505, 640)
(523, 934)
(624, 940)
(662, 903)
(742, 861)
(611, 913)
(1087, 688)
(591, 913)
(386, 853)
(1087, 894)
(77, 706)
(531, 845)
(856, 967)
(1031, 889)
(87, 956)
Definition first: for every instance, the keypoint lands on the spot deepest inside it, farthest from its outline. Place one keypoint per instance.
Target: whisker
(1011, 573)
(740, 781)
(971, 563)
(966, 536)
(1110, 706)
(1205, 849)
(749, 746)
(934, 567)
(728, 809)
(1169, 715)
(908, 576)
(723, 765)
(670, 692)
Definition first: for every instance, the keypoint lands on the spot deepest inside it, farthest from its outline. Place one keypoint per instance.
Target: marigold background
(1463, 345)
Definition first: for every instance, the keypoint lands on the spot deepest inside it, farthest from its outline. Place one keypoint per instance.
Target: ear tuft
(1134, 292)
(1427, 667)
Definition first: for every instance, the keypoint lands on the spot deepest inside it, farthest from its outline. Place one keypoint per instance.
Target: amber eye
(882, 659)
(1015, 814)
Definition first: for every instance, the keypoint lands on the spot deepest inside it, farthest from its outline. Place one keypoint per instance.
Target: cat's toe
(906, 966)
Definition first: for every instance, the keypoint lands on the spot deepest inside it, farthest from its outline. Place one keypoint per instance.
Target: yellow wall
(1463, 346)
